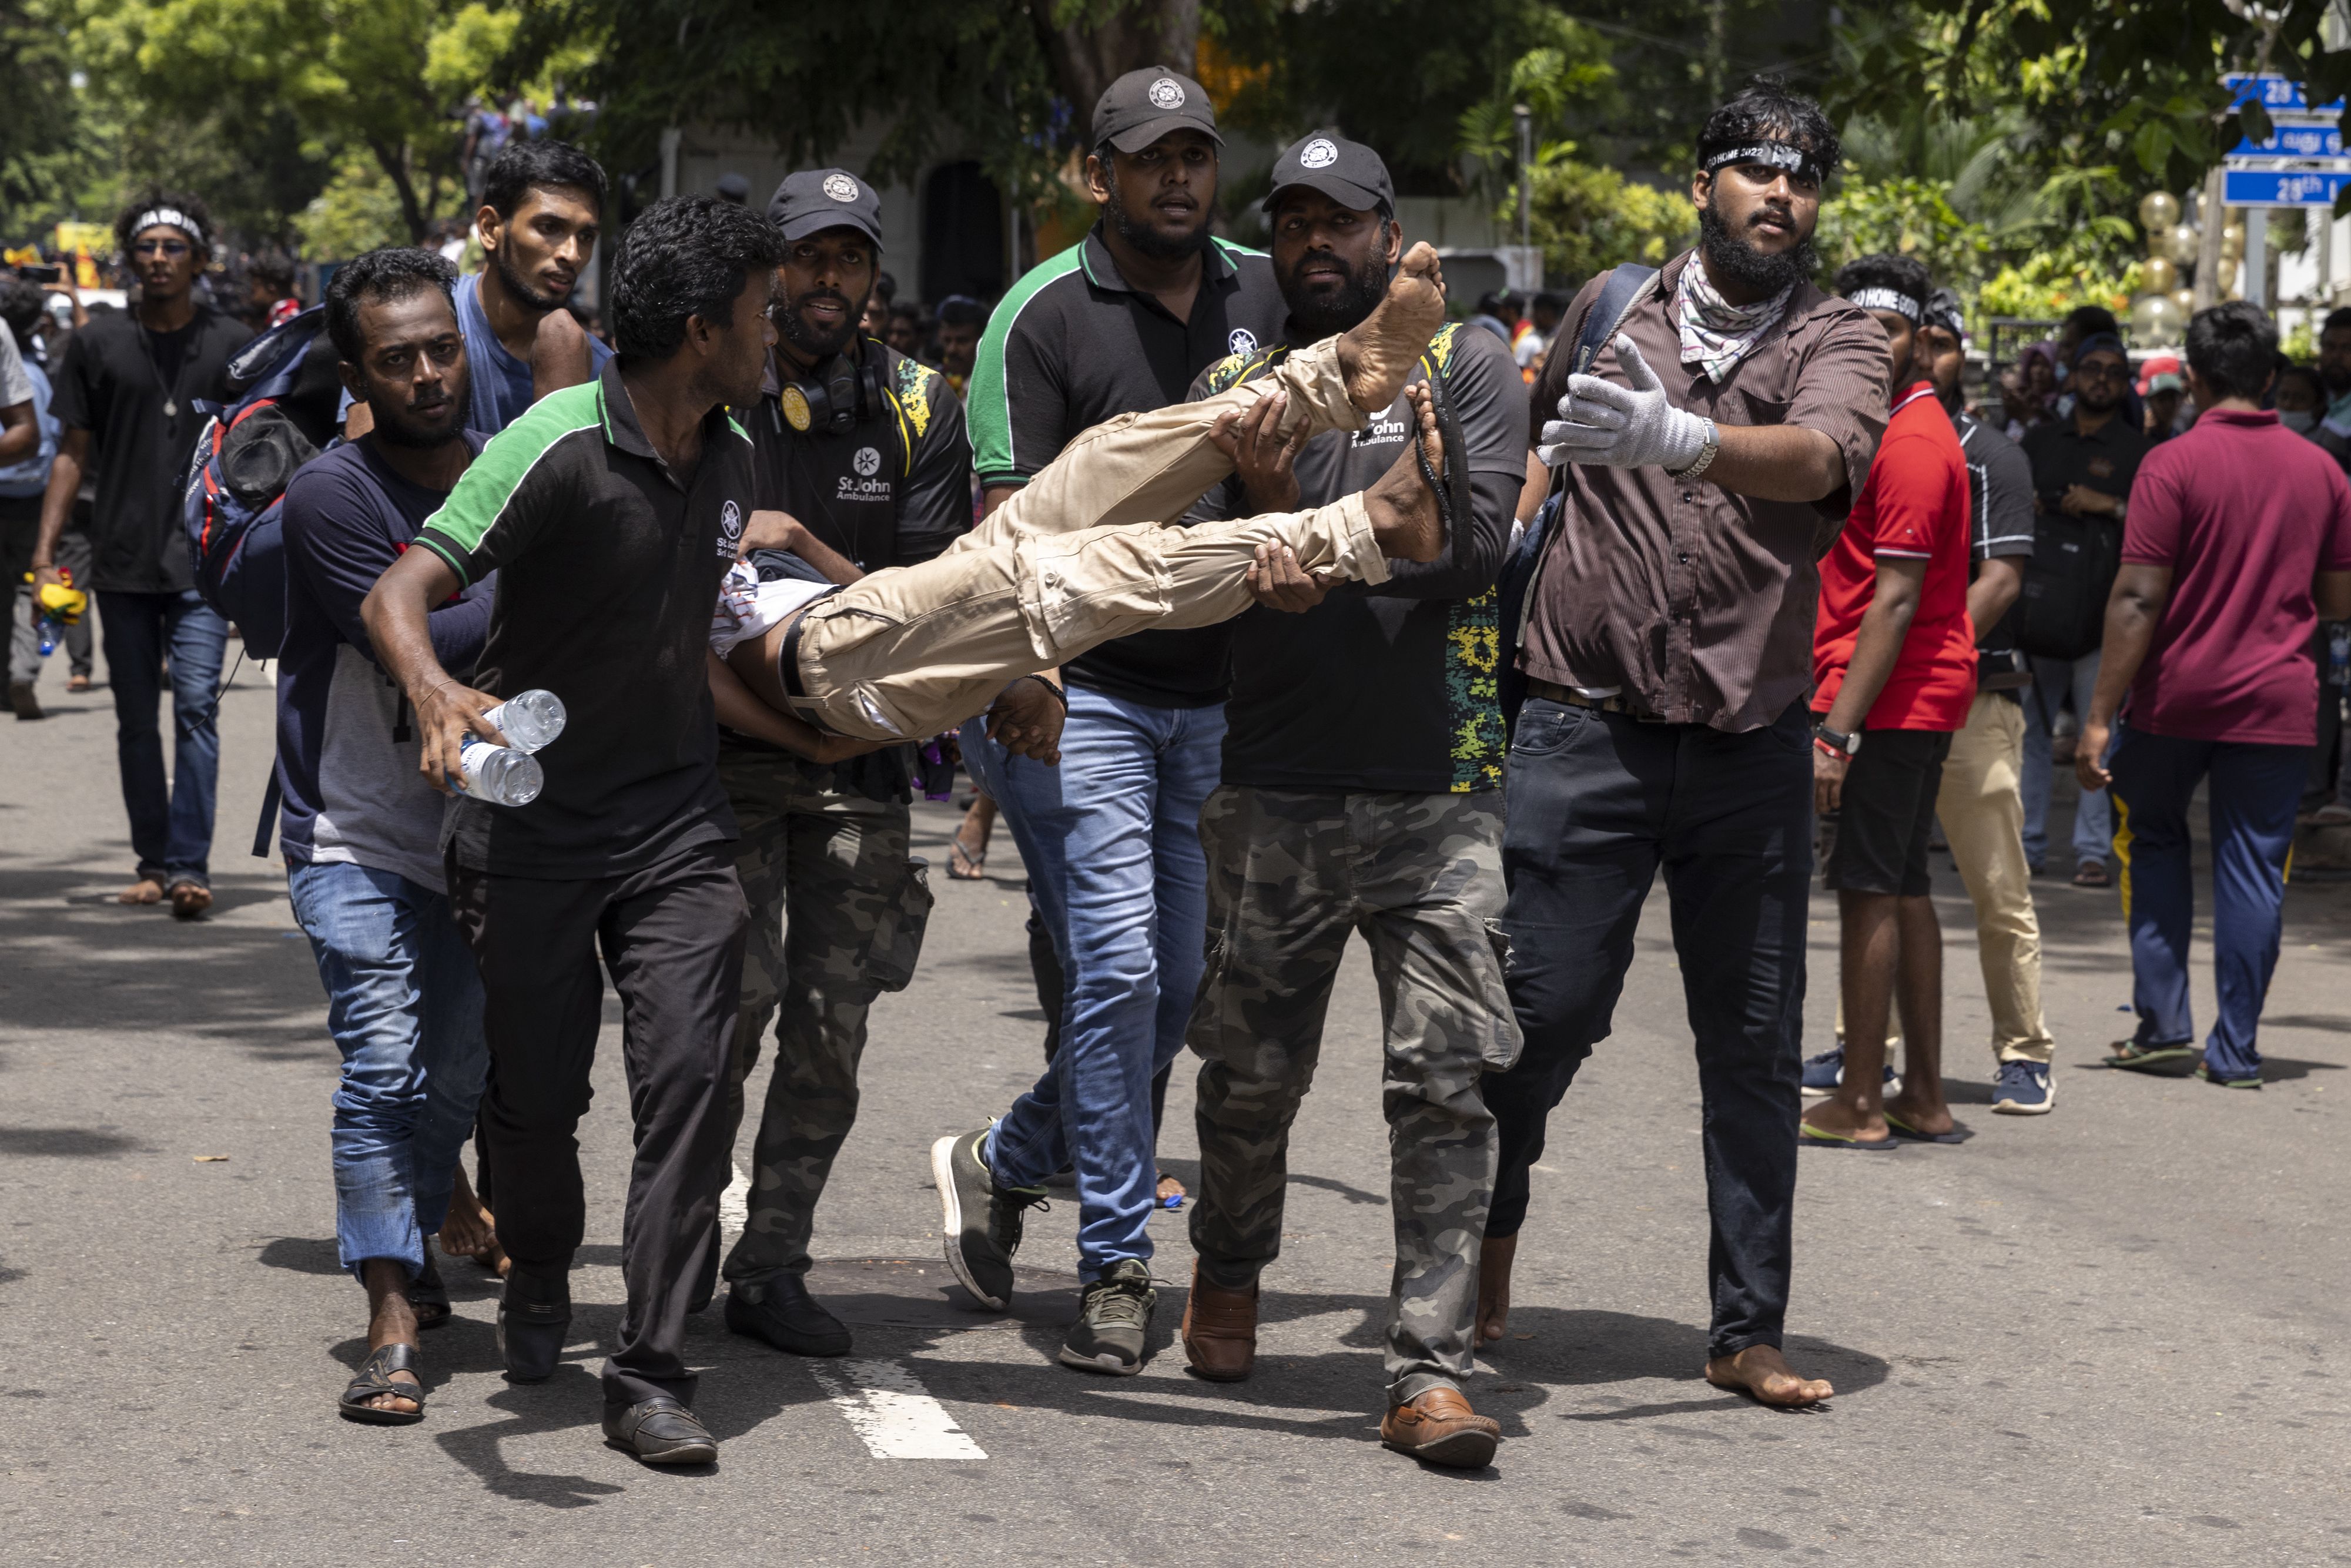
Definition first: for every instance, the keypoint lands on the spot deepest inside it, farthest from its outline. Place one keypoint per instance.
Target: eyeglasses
(174, 248)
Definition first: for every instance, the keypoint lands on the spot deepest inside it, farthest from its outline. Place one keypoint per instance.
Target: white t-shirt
(15, 386)
(748, 608)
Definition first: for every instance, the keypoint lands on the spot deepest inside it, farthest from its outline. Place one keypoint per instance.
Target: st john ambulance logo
(1242, 342)
(730, 527)
(840, 187)
(867, 462)
(1167, 93)
(1319, 153)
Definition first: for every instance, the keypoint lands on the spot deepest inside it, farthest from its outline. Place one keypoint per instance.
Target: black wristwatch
(1836, 740)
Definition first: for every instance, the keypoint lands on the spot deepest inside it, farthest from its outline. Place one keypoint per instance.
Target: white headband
(1892, 300)
(169, 217)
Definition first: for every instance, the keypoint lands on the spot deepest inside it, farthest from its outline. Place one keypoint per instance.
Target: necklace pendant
(170, 408)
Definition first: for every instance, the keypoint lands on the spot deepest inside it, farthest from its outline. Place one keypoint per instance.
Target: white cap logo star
(1319, 153)
(1167, 93)
(840, 187)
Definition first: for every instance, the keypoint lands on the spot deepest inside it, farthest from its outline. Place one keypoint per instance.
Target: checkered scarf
(1717, 334)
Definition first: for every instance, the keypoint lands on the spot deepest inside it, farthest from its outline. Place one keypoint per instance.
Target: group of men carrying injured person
(1359, 477)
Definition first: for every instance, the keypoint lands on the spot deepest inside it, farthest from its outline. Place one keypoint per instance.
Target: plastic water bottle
(502, 775)
(530, 721)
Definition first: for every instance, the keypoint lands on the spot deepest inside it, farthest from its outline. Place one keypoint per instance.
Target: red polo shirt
(1914, 504)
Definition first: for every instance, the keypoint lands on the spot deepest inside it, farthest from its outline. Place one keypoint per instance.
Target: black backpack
(1515, 586)
(2062, 613)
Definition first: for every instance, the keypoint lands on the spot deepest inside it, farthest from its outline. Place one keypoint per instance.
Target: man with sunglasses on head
(864, 451)
(126, 399)
(1707, 460)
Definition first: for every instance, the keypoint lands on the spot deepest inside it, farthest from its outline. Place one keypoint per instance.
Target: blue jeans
(404, 1005)
(171, 833)
(2093, 835)
(1111, 840)
(2255, 791)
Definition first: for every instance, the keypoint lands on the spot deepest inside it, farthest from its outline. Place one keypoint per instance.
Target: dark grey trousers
(671, 937)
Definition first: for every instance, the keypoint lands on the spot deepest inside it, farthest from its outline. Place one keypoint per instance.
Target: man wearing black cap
(1120, 323)
(1361, 790)
(126, 398)
(734, 190)
(865, 450)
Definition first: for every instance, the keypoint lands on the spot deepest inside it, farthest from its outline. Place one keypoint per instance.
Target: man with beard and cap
(1120, 323)
(1360, 792)
(863, 450)
(2083, 464)
(542, 205)
(125, 399)
(361, 829)
(611, 511)
(1704, 463)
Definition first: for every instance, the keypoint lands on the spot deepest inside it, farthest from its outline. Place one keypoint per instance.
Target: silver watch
(1705, 455)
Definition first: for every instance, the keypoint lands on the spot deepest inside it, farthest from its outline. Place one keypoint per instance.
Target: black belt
(787, 663)
(1551, 691)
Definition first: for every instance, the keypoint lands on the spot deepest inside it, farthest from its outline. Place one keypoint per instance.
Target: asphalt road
(2114, 1334)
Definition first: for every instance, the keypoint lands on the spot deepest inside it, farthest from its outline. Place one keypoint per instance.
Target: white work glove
(1630, 426)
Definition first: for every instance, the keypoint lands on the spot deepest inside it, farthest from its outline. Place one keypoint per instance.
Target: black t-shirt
(115, 379)
(1071, 346)
(895, 490)
(1389, 687)
(608, 572)
(2105, 460)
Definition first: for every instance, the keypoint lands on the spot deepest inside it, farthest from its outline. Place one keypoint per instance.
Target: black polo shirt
(892, 490)
(608, 571)
(1393, 687)
(2106, 459)
(1071, 346)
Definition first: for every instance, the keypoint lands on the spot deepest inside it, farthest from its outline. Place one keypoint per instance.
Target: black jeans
(671, 936)
(1594, 803)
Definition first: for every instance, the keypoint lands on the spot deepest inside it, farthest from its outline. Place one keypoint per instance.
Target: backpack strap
(1614, 303)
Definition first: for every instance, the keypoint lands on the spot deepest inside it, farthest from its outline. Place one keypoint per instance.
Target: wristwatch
(1705, 455)
(1836, 740)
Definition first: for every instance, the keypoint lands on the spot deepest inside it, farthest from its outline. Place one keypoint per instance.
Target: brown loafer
(1440, 1428)
(1219, 1330)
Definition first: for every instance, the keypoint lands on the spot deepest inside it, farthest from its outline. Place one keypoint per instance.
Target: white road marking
(892, 1412)
(734, 1204)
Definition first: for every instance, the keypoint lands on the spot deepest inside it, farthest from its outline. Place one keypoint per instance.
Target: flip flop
(2160, 1061)
(963, 865)
(1902, 1129)
(375, 1381)
(145, 891)
(1810, 1136)
(2209, 1076)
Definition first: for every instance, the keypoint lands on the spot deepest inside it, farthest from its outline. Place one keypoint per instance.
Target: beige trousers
(1080, 556)
(1982, 813)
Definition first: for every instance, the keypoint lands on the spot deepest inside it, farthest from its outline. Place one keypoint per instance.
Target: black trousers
(671, 937)
(1594, 803)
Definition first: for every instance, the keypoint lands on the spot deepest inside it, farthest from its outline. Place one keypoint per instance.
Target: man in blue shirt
(541, 203)
(362, 826)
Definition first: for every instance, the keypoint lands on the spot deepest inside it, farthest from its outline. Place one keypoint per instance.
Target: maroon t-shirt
(2244, 512)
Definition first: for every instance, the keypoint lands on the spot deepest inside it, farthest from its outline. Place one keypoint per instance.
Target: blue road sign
(2276, 93)
(2280, 188)
(2293, 141)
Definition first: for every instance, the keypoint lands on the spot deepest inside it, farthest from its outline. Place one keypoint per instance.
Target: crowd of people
(1265, 605)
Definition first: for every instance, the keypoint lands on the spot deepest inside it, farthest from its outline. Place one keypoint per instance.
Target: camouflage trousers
(832, 895)
(1290, 874)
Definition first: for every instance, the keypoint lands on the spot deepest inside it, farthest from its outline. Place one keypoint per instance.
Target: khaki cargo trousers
(1085, 553)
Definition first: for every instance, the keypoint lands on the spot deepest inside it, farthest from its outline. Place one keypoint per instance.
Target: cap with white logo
(1141, 107)
(813, 200)
(1349, 173)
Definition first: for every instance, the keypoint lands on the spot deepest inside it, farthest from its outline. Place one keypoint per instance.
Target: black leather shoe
(531, 1333)
(660, 1431)
(778, 1308)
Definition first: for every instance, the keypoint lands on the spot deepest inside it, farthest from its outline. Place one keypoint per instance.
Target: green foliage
(1911, 218)
(1588, 219)
(2048, 286)
(41, 128)
(357, 211)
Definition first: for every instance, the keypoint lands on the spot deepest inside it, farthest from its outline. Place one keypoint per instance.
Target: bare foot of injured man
(1376, 355)
(1400, 505)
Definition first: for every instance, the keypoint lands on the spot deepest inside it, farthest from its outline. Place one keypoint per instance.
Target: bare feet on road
(1494, 1259)
(1763, 1373)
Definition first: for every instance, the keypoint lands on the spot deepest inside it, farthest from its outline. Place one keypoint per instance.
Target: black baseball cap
(1141, 107)
(816, 199)
(1349, 173)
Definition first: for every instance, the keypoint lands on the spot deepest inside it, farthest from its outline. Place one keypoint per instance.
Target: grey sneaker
(1114, 1319)
(980, 1222)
